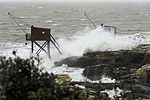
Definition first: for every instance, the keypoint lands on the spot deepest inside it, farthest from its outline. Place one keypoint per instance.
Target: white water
(96, 40)
(113, 92)
(81, 42)
(68, 24)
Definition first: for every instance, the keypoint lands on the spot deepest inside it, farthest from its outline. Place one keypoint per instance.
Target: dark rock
(120, 58)
(141, 76)
(108, 86)
(123, 65)
(96, 72)
(141, 91)
(71, 62)
(114, 58)
(146, 59)
(113, 63)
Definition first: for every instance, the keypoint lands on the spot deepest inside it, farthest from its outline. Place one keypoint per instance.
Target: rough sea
(72, 30)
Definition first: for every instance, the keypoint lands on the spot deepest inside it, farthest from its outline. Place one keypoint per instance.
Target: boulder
(120, 58)
(116, 64)
(113, 63)
(141, 76)
(140, 91)
(63, 79)
(96, 72)
(73, 61)
(146, 59)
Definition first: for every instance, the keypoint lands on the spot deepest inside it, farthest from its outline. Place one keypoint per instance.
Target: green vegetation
(21, 79)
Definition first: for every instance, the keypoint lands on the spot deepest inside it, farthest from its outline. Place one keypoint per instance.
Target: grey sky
(76, 0)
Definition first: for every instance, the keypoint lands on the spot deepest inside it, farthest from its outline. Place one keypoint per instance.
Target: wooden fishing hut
(41, 34)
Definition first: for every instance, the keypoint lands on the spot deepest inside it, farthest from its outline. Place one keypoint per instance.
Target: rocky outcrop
(113, 63)
(119, 58)
(96, 72)
(114, 58)
(141, 76)
(138, 82)
(123, 65)
(63, 79)
(73, 61)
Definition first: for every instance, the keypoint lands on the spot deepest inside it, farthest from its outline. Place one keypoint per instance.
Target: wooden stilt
(41, 48)
(32, 46)
(48, 49)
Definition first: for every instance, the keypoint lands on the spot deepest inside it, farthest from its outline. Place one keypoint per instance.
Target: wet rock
(117, 63)
(138, 82)
(141, 91)
(73, 61)
(120, 58)
(113, 63)
(96, 72)
(123, 65)
(146, 59)
(141, 76)
(63, 79)
(142, 47)
(113, 58)
(108, 86)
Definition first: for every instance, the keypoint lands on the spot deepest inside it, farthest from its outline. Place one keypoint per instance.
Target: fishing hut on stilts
(41, 34)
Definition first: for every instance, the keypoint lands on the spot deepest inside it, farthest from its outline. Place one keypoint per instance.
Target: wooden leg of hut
(32, 46)
(48, 48)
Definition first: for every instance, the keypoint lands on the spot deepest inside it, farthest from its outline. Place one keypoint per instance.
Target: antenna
(11, 16)
(39, 34)
(89, 19)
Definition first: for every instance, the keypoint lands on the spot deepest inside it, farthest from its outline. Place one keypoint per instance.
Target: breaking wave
(83, 41)
(99, 40)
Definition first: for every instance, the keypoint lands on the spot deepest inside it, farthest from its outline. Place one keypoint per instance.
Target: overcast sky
(76, 0)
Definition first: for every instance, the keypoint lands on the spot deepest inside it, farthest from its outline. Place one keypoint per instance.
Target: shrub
(20, 79)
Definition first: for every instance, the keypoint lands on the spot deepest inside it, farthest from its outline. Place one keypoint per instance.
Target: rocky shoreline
(130, 67)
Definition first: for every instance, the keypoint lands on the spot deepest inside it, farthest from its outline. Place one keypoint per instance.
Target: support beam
(48, 49)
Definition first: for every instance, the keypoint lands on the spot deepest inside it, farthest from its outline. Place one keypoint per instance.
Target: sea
(73, 31)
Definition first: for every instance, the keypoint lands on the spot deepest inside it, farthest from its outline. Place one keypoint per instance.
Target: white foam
(40, 7)
(114, 92)
(21, 49)
(97, 40)
(82, 41)
(106, 79)
(90, 40)
(49, 21)
(55, 24)
(73, 73)
(80, 86)
(22, 17)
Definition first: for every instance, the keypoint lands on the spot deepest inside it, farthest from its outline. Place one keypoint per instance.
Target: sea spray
(93, 40)
(90, 40)
(81, 42)
(97, 40)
